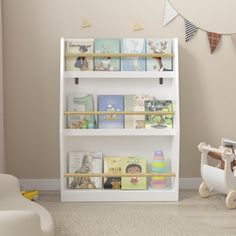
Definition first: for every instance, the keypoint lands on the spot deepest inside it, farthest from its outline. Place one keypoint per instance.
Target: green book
(159, 121)
(80, 102)
(133, 165)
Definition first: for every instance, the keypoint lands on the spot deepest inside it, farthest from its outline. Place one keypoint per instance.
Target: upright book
(135, 103)
(107, 46)
(132, 45)
(83, 163)
(159, 63)
(159, 121)
(112, 165)
(133, 165)
(76, 63)
(110, 103)
(80, 102)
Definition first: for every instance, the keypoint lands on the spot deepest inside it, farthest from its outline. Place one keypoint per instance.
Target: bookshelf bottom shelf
(103, 195)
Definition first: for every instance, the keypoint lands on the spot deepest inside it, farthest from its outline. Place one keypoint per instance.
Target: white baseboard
(189, 183)
(40, 184)
(54, 184)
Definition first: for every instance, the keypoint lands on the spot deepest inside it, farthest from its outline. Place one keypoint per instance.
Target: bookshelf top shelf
(120, 74)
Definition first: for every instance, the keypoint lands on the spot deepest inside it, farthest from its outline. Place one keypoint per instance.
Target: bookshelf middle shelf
(119, 132)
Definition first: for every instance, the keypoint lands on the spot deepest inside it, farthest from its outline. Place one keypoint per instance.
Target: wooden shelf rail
(67, 175)
(121, 55)
(118, 113)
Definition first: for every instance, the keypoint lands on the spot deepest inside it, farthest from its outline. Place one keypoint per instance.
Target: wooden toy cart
(220, 178)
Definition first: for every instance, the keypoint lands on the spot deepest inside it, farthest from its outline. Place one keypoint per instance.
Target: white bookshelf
(121, 142)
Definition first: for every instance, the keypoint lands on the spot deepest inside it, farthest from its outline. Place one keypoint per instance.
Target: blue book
(110, 103)
(132, 45)
(107, 46)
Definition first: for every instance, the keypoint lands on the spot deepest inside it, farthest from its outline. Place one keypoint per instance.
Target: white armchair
(20, 216)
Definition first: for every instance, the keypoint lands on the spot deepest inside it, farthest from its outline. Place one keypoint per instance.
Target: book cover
(135, 103)
(132, 45)
(79, 63)
(112, 165)
(110, 103)
(159, 121)
(133, 165)
(159, 46)
(85, 162)
(80, 102)
(107, 46)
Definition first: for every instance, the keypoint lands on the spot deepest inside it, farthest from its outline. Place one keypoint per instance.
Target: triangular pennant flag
(137, 27)
(214, 40)
(190, 30)
(170, 13)
(233, 37)
(85, 23)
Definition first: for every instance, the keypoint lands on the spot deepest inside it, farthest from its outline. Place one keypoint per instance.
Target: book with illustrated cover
(79, 63)
(112, 165)
(80, 102)
(110, 103)
(159, 46)
(132, 45)
(135, 103)
(133, 165)
(107, 46)
(85, 162)
(159, 121)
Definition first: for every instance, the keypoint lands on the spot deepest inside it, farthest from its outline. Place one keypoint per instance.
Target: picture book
(112, 165)
(80, 102)
(159, 46)
(107, 46)
(132, 45)
(85, 162)
(135, 103)
(110, 103)
(159, 121)
(133, 165)
(77, 63)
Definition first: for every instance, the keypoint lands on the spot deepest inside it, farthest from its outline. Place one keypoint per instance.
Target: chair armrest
(9, 186)
(20, 223)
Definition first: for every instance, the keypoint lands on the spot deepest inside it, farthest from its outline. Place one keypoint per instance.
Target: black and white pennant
(190, 30)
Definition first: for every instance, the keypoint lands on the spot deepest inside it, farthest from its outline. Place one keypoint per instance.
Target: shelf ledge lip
(119, 74)
(119, 132)
(167, 174)
(121, 55)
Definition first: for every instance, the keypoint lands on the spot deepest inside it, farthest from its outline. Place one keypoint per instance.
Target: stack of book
(92, 162)
(116, 46)
(115, 103)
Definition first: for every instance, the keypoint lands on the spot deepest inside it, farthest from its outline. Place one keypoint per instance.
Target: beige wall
(32, 30)
(1, 100)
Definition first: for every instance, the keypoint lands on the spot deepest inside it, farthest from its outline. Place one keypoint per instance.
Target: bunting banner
(214, 40)
(170, 13)
(190, 30)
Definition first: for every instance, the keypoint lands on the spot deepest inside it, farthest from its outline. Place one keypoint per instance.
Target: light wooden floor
(211, 211)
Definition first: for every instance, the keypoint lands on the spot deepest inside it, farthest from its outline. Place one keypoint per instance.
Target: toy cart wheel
(231, 200)
(204, 191)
